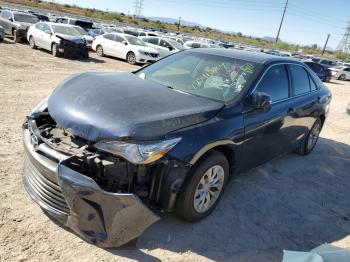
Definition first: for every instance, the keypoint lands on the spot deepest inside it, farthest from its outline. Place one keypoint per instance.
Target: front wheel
(310, 141)
(131, 58)
(54, 50)
(99, 50)
(204, 188)
(341, 77)
(32, 42)
(16, 39)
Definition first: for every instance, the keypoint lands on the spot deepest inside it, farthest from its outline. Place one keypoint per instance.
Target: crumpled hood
(109, 106)
(74, 39)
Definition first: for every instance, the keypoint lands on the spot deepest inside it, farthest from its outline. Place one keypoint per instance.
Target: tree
(239, 34)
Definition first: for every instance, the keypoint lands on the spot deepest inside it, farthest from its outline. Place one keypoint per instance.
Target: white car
(164, 46)
(124, 46)
(194, 44)
(340, 72)
(49, 36)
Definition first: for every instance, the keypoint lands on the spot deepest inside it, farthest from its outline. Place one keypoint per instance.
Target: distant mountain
(271, 39)
(173, 20)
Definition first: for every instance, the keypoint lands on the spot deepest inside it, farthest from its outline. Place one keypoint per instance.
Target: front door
(268, 133)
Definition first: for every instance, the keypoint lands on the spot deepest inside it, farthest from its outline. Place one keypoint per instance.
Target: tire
(16, 39)
(311, 139)
(86, 55)
(190, 199)
(341, 77)
(54, 50)
(99, 50)
(32, 42)
(131, 58)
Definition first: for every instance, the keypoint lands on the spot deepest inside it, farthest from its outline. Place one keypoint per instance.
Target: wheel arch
(225, 147)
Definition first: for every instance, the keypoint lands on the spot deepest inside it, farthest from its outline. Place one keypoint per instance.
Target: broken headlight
(138, 153)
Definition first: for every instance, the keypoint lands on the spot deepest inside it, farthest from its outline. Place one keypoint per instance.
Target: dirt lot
(293, 202)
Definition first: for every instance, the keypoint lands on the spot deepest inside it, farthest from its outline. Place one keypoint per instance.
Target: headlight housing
(138, 153)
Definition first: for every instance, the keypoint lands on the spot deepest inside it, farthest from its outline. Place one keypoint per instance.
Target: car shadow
(293, 202)
(7, 41)
(336, 83)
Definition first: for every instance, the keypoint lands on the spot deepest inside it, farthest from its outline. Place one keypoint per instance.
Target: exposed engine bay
(112, 173)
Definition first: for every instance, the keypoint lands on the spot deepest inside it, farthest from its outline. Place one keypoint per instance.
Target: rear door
(268, 132)
(118, 49)
(305, 101)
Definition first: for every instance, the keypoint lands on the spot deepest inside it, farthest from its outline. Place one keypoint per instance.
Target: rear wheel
(99, 50)
(131, 58)
(310, 141)
(204, 188)
(341, 77)
(54, 50)
(32, 42)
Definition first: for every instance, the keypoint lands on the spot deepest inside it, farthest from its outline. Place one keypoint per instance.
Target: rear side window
(300, 80)
(312, 84)
(275, 83)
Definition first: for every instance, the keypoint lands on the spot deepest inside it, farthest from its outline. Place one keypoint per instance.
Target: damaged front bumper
(76, 201)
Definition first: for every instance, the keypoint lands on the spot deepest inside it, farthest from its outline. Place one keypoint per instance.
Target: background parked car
(124, 46)
(325, 62)
(96, 32)
(322, 72)
(57, 38)
(341, 72)
(193, 44)
(164, 46)
(42, 18)
(71, 21)
(2, 33)
(16, 23)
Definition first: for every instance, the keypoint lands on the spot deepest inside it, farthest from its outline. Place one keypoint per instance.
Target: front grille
(43, 190)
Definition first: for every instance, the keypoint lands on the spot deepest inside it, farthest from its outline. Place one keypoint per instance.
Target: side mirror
(261, 100)
(170, 48)
(48, 32)
(10, 19)
(124, 43)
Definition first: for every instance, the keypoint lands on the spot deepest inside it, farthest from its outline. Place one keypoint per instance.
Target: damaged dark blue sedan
(106, 152)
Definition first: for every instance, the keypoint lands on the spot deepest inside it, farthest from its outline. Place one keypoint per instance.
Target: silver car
(164, 46)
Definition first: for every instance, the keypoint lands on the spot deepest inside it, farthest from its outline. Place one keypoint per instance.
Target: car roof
(256, 57)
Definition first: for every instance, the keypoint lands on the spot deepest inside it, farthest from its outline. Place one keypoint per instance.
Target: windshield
(26, 18)
(134, 40)
(65, 30)
(80, 30)
(211, 76)
(175, 44)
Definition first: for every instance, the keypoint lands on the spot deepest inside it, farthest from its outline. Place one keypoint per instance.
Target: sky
(306, 22)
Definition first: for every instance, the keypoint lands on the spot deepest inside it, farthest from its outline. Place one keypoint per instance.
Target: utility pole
(279, 29)
(325, 45)
(178, 25)
(344, 45)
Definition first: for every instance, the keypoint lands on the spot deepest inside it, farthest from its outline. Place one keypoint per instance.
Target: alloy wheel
(131, 59)
(209, 188)
(313, 136)
(99, 51)
(31, 42)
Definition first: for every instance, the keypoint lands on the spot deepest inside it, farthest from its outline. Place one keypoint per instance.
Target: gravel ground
(292, 202)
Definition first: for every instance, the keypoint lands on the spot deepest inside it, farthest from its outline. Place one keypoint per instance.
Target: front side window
(26, 18)
(275, 83)
(211, 76)
(300, 80)
(118, 38)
